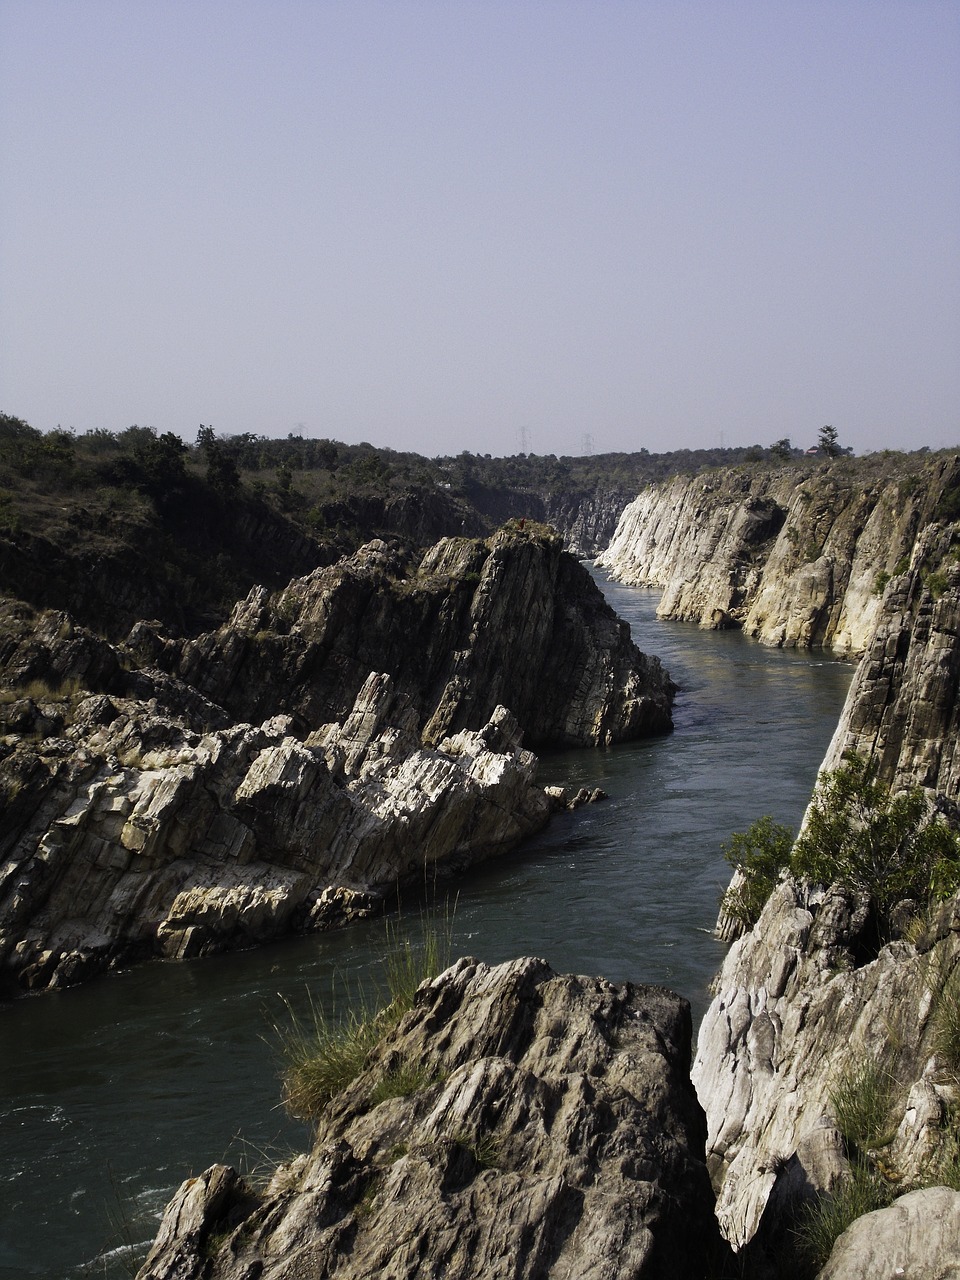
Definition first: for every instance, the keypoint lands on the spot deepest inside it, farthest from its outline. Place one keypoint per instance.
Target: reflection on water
(111, 1094)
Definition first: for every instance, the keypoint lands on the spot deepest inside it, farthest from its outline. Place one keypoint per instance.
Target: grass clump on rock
(862, 1102)
(324, 1053)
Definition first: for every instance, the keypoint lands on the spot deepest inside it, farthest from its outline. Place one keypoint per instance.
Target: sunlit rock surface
(174, 798)
(473, 624)
(796, 557)
(809, 995)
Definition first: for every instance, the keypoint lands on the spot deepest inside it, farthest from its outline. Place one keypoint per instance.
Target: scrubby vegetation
(858, 834)
(761, 854)
(864, 1100)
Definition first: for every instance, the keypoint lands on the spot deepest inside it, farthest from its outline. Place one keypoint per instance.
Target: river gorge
(113, 1092)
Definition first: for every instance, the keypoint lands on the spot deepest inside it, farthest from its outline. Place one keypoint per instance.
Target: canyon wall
(862, 558)
(812, 999)
(796, 557)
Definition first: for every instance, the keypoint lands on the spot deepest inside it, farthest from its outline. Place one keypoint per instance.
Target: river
(112, 1093)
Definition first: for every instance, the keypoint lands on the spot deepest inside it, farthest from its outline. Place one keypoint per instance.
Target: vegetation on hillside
(114, 526)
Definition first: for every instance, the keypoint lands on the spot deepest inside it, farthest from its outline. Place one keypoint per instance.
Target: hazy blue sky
(439, 225)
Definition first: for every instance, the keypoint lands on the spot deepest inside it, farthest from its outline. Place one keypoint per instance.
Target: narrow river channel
(111, 1094)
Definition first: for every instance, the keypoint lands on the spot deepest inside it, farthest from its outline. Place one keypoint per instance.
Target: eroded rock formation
(803, 1000)
(796, 557)
(135, 834)
(547, 1129)
(470, 624)
(903, 707)
(269, 777)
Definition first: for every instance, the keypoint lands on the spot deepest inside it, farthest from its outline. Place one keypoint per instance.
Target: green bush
(860, 835)
(760, 854)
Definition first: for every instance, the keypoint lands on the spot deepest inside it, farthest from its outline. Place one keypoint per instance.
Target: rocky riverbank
(816, 1008)
(332, 742)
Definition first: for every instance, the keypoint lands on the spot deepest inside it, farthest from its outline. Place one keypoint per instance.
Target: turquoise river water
(112, 1093)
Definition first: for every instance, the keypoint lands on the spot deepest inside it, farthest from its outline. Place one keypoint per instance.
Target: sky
(550, 226)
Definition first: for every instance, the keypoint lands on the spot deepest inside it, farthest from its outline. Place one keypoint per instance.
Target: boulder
(918, 1237)
(516, 1123)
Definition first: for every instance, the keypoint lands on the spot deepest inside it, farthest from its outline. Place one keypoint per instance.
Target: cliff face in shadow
(288, 771)
(796, 557)
(468, 625)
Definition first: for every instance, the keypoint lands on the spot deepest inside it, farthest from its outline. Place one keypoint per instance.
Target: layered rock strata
(469, 625)
(271, 779)
(804, 1000)
(796, 557)
(903, 708)
(135, 835)
(546, 1128)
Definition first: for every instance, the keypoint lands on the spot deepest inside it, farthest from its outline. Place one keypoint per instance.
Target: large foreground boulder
(515, 1124)
(917, 1236)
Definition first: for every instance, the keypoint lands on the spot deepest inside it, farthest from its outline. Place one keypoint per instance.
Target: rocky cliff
(330, 744)
(468, 625)
(812, 1005)
(515, 1124)
(797, 557)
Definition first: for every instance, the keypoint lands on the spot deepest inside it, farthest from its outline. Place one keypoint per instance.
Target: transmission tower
(586, 444)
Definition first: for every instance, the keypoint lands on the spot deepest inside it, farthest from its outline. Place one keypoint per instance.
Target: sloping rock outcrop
(799, 1008)
(797, 557)
(552, 1132)
(269, 777)
(135, 834)
(471, 624)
